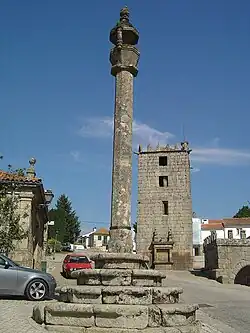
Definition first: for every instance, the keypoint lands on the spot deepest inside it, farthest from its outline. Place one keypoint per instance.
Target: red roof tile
(236, 221)
(101, 231)
(212, 226)
(14, 177)
(215, 221)
(227, 222)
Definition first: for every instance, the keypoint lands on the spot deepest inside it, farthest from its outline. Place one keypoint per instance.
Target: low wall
(224, 258)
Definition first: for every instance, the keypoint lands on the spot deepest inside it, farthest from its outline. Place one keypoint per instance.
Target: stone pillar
(23, 253)
(45, 240)
(124, 57)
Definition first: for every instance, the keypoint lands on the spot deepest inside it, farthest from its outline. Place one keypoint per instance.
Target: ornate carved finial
(31, 170)
(124, 30)
(139, 149)
(32, 162)
(149, 148)
(124, 14)
(158, 146)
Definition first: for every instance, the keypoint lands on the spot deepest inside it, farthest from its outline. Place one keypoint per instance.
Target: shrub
(54, 245)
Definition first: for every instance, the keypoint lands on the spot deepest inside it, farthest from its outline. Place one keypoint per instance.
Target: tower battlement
(178, 147)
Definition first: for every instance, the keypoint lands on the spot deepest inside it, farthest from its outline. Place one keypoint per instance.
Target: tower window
(163, 160)
(163, 181)
(165, 207)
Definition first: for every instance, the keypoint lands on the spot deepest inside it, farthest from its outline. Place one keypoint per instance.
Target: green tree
(11, 231)
(66, 222)
(244, 211)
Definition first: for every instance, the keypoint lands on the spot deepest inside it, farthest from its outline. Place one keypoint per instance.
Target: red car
(75, 261)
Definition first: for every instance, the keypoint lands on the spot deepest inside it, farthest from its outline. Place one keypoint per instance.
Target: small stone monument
(120, 295)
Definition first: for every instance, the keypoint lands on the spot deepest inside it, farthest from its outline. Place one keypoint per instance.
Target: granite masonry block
(121, 316)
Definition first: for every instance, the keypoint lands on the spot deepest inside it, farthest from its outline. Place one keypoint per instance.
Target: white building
(236, 228)
(99, 239)
(84, 238)
(224, 228)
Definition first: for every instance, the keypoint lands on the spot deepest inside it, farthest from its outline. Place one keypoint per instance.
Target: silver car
(16, 280)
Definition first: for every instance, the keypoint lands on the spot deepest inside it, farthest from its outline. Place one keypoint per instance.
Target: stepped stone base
(119, 277)
(120, 318)
(118, 297)
(124, 295)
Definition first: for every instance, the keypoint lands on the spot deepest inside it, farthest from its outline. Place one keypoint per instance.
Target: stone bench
(128, 295)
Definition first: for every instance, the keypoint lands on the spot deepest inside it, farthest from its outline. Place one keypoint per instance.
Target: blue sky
(57, 95)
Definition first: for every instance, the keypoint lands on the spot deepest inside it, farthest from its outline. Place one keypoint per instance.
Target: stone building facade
(33, 212)
(165, 203)
(227, 260)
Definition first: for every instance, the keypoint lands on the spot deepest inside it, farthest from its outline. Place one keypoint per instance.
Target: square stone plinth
(121, 316)
(76, 315)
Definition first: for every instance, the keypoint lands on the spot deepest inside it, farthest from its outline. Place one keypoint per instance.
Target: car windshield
(9, 260)
(79, 260)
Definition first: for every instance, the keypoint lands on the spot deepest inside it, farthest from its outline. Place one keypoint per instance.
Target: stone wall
(175, 192)
(30, 250)
(225, 258)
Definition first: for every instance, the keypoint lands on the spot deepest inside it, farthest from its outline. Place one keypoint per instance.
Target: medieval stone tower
(165, 205)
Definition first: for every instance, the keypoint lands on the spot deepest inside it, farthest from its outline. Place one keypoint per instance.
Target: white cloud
(76, 155)
(221, 156)
(144, 134)
(97, 128)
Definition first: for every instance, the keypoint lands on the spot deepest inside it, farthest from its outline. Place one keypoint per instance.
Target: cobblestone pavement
(15, 317)
(225, 308)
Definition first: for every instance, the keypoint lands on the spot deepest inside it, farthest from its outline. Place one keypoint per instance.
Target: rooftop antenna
(183, 132)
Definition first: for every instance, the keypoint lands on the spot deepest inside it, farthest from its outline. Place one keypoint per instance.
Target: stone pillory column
(124, 58)
(120, 294)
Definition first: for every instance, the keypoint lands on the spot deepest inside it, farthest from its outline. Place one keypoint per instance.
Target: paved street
(224, 307)
(227, 303)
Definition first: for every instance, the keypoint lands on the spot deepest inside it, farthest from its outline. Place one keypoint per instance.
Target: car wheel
(37, 290)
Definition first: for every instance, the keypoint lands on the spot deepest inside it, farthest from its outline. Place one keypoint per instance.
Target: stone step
(116, 316)
(195, 328)
(119, 277)
(127, 295)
